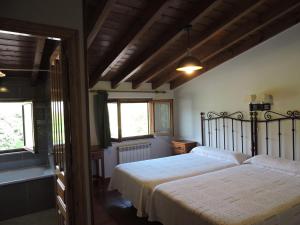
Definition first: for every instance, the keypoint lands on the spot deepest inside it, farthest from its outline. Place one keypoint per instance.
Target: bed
(262, 191)
(136, 180)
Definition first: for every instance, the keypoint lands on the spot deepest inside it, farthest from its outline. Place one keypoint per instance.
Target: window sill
(132, 138)
(14, 151)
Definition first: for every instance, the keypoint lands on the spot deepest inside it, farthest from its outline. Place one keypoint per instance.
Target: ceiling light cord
(188, 31)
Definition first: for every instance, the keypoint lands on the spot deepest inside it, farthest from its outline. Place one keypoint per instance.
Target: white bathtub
(24, 174)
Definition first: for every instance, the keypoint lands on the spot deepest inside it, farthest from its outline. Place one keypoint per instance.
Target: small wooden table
(183, 146)
(97, 153)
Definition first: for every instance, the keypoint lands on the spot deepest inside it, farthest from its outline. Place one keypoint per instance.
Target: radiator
(134, 152)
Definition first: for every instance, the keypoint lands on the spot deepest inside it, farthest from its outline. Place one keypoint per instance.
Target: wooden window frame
(119, 101)
(171, 133)
(151, 125)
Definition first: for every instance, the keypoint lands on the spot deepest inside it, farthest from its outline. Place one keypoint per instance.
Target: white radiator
(134, 152)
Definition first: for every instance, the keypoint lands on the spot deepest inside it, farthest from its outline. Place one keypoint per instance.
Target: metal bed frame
(275, 117)
(269, 117)
(225, 118)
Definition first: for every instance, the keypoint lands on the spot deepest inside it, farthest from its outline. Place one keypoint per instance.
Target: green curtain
(102, 119)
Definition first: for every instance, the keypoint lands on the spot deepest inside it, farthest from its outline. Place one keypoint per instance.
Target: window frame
(153, 128)
(33, 150)
(126, 100)
(24, 149)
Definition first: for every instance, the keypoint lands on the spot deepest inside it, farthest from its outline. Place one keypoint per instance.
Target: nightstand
(182, 146)
(97, 153)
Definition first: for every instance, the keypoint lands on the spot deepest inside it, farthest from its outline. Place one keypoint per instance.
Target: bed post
(253, 117)
(202, 114)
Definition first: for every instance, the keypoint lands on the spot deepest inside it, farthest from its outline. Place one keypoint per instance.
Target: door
(60, 132)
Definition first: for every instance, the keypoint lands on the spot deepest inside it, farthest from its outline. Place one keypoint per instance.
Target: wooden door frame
(80, 207)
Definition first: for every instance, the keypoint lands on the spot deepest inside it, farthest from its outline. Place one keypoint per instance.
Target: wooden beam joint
(37, 58)
(167, 38)
(153, 12)
(219, 26)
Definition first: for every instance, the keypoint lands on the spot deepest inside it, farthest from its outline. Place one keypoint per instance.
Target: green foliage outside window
(11, 126)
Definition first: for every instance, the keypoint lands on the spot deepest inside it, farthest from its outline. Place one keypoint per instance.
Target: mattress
(136, 181)
(242, 195)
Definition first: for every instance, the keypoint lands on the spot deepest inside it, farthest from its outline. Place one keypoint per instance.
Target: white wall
(160, 146)
(271, 67)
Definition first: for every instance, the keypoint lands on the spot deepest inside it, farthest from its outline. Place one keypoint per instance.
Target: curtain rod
(130, 91)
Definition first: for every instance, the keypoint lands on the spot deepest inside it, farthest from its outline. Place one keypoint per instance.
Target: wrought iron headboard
(223, 116)
(273, 117)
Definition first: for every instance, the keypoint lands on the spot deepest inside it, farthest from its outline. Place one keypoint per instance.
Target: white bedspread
(241, 195)
(136, 181)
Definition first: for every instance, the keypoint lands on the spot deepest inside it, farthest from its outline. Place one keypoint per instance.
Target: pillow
(220, 154)
(284, 165)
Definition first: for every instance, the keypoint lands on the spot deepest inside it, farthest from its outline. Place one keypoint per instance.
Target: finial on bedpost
(202, 114)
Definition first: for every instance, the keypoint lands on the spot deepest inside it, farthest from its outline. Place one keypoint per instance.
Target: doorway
(76, 175)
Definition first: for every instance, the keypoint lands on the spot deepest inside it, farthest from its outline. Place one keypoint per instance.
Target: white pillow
(285, 165)
(220, 154)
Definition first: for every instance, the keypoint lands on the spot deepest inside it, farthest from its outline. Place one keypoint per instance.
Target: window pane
(162, 117)
(28, 125)
(62, 122)
(11, 126)
(134, 118)
(113, 119)
(58, 124)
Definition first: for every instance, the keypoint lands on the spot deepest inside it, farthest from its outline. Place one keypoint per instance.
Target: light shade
(268, 99)
(189, 64)
(252, 99)
(2, 74)
(3, 89)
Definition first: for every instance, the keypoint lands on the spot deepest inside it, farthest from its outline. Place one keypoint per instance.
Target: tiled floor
(111, 209)
(47, 217)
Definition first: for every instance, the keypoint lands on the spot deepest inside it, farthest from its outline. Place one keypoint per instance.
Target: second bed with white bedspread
(264, 192)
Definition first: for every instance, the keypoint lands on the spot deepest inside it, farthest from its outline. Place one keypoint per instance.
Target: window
(163, 117)
(132, 118)
(58, 126)
(16, 126)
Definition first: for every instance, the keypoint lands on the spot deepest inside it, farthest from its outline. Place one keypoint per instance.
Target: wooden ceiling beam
(273, 14)
(251, 41)
(167, 38)
(37, 58)
(104, 13)
(15, 67)
(220, 25)
(153, 12)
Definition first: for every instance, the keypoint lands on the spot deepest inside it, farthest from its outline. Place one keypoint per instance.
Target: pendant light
(2, 74)
(189, 64)
(2, 88)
